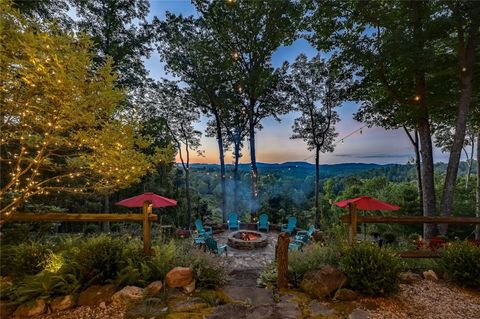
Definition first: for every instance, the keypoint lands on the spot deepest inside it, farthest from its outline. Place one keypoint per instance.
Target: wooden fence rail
(353, 219)
(146, 218)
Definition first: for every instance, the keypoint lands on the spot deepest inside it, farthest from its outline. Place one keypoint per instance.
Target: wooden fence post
(352, 238)
(282, 260)
(147, 210)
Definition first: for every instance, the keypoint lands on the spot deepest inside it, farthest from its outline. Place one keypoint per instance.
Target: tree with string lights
(59, 130)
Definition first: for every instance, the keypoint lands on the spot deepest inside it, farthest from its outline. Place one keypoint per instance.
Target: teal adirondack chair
(304, 235)
(213, 246)
(290, 226)
(233, 222)
(198, 240)
(296, 245)
(263, 222)
(203, 230)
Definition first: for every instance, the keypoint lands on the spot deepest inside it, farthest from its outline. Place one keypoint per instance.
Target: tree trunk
(469, 164)
(253, 161)
(317, 187)
(418, 164)
(477, 193)
(428, 182)
(187, 196)
(466, 61)
(106, 225)
(236, 175)
(282, 260)
(222, 166)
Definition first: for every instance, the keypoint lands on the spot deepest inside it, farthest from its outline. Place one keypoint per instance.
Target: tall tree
(190, 52)
(120, 30)
(250, 31)
(174, 106)
(58, 132)
(317, 88)
(404, 54)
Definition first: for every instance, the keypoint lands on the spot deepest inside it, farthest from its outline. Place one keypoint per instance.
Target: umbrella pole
(352, 238)
(147, 210)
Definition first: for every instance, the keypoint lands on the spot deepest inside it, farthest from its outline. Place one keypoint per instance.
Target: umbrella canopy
(156, 200)
(367, 203)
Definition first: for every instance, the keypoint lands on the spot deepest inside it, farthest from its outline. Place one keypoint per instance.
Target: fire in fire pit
(247, 239)
(248, 236)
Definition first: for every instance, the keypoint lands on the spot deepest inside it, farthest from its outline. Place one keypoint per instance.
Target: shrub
(389, 237)
(268, 276)
(27, 258)
(209, 270)
(372, 270)
(314, 256)
(96, 260)
(460, 261)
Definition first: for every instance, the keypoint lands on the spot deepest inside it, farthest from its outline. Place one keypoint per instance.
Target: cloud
(373, 155)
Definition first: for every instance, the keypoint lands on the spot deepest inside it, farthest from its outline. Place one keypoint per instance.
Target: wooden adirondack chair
(304, 235)
(290, 226)
(233, 222)
(263, 223)
(203, 230)
(213, 246)
(198, 240)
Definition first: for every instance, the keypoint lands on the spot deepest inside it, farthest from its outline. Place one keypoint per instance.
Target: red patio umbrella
(156, 200)
(367, 203)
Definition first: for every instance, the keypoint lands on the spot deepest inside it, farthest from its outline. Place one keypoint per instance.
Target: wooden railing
(353, 220)
(146, 218)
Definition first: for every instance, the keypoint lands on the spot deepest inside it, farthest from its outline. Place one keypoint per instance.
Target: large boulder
(31, 310)
(95, 295)
(128, 295)
(62, 303)
(179, 277)
(188, 289)
(322, 283)
(153, 288)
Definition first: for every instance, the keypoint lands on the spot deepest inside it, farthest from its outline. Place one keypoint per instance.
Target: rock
(322, 283)
(359, 314)
(188, 289)
(62, 303)
(344, 294)
(94, 295)
(430, 275)
(102, 305)
(154, 288)
(230, 310)
(288, 310)
(128, 296)
(318, 309)
(30, 310)
(257, 296)
(6, 309)
(409, 277)
(179, 277)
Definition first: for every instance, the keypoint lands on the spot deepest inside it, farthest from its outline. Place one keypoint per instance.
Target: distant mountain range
(301, 167)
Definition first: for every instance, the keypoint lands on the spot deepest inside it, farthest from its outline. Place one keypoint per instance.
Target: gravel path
(427, 300)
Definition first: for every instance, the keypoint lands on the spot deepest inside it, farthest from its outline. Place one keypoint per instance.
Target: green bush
(314, 256)
(389, 237)
(461, 263)
(268, 276)
(97, 260)
(24, 259)
(372, 270)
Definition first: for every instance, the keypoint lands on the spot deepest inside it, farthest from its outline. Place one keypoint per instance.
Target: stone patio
(249, 259)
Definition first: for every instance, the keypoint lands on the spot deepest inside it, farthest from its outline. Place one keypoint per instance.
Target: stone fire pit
(247, 239)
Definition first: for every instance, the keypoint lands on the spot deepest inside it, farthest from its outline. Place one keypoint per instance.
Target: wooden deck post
(352, 238)
(282, 260)
(147, 210)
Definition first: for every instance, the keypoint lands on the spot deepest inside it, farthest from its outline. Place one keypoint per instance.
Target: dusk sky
(374, 145)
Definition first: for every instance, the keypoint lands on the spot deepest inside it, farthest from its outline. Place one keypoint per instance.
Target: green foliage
(460, 261)
(314, 256)
(27, 258)
(389, 237)
(268, 276)
(372, 270)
